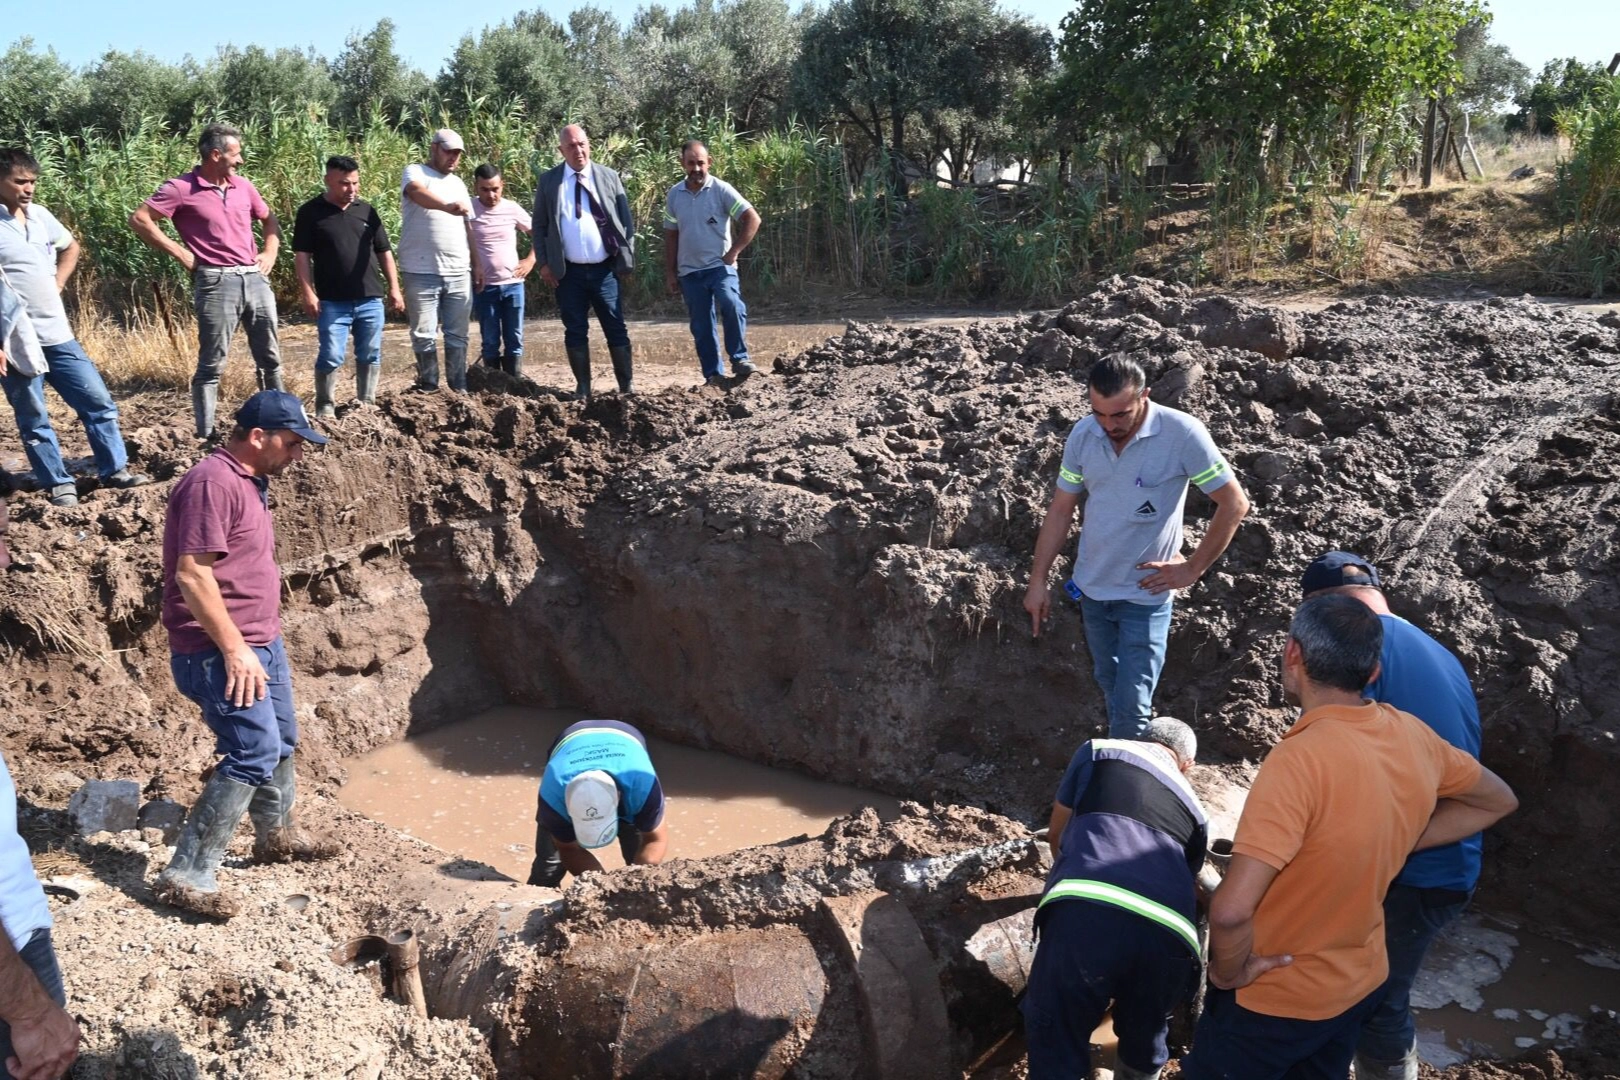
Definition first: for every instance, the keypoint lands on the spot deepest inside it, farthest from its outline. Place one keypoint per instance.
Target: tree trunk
(1428, 142)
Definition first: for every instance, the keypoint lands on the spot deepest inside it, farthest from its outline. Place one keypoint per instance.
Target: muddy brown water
(471, 788)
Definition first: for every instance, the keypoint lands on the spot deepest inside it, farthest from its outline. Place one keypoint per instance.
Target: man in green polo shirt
(700, 259)
(1133, 459)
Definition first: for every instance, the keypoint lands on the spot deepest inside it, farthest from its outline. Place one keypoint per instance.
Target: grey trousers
(227, 297)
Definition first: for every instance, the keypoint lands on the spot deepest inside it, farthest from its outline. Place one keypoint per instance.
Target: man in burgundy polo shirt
(222, 608)
(213, 210)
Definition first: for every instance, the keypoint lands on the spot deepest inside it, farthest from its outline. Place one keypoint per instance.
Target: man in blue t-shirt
(1417, 675)
(599, 785)
(1116, 922)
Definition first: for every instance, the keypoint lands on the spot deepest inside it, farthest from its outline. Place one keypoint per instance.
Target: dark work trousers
(1091, 954)
(1233, 1043)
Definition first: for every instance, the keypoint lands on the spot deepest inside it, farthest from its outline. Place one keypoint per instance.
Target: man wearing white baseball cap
(434, 260)
(599, 785)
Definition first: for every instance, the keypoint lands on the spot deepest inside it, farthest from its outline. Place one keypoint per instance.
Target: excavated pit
(822, 570)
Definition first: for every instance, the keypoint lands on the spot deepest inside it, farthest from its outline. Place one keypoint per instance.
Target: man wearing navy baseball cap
(222, 609)
(1416, 675)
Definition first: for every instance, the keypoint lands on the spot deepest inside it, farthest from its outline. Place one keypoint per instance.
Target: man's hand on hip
(1175, 573)
(265, 262)
(547, 276)
(245, 678)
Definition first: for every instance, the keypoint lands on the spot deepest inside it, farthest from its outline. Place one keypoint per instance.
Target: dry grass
(1540, 151)
(148, 355)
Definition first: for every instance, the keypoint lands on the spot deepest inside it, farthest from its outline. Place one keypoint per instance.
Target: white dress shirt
(582, 240)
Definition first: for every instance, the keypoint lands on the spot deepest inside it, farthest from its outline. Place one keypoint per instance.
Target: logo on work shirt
(1147, 509)
(711, 221)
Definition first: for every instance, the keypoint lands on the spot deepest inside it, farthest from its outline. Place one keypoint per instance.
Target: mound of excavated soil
(823, 568)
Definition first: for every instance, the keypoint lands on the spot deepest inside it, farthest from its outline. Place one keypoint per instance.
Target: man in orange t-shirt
(1297, 954)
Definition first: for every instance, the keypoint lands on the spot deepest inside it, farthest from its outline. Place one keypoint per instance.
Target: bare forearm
(301, 268)
(424, 198)
(272, 238)
(672, 253)
(67, 260)
(207, 606)
(20, 993)
(1230, 946)
(1222, 528)
(576, 860)
(390, 271)
(747, 229)
(652, 852)
(1048, 544)
(153, 236)
(1453, 820)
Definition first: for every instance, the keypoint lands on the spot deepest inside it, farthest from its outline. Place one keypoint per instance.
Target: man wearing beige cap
(434, 265)
(599, 785)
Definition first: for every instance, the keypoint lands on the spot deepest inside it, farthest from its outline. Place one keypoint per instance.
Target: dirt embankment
(823, 568)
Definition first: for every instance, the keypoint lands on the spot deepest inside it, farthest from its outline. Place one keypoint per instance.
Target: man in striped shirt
(1116, 921)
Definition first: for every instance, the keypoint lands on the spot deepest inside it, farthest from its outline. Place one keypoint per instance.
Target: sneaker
(123, 478)
(64, 495)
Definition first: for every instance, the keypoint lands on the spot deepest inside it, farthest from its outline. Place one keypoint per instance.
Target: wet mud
(821, 568)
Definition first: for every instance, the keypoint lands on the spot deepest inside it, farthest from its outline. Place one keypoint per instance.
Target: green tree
(370, 78)
(1300, 78)
(1563, 85)
(37, 91)
(524, 60)
(881, 66)
(124, 90)
(249, 85)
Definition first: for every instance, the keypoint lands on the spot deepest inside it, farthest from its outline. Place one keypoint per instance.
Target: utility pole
(1428, 142)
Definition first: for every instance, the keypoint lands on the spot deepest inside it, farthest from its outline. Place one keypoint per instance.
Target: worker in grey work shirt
(700, 259)
(1133, 459)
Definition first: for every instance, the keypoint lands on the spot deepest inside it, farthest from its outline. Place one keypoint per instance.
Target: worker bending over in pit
(599, 785)
(1297, 959)
(1133, 460)
(1116, 921)
(1417, 675)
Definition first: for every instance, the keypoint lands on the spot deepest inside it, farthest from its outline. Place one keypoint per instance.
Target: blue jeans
(707, 292)
(1412, 919)
(500, 320)
(337, 318)
(1091, 954)
(250, 740)
(588, 287)
(77, 381)
(1127, 642)
(1232, 1043)
(41, 960)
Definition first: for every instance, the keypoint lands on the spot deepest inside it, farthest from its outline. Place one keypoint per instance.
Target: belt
(242, 271)
(571, 262)
(1124, 899)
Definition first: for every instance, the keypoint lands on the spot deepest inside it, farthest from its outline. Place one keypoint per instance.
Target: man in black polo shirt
(341, 234)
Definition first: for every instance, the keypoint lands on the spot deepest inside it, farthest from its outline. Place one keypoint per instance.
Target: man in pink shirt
(222, 609)
(498, 273)
(213, 210)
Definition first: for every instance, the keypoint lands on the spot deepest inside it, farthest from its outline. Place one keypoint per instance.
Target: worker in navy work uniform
(1116, 922)
(1417, 675)
(599, 785)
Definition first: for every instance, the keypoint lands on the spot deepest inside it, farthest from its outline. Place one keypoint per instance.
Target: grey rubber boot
(455, 368)
(270, 378)
(276, 836)
(325, 407)
(427, 370)
(1404, 1069)
(188, 881)
(624, 369)
(365, 383)
(1123, 1071)
(579, 360)
(204, 403)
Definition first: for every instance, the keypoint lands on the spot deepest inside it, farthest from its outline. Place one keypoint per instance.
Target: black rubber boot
(624, 368)
(276, 836)
(579, 359)
(188, 881)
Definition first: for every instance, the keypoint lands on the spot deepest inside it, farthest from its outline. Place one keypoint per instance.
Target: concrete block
(163, 815)
(105, 806)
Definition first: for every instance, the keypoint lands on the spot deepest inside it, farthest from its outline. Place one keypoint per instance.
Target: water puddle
(470, 788)
(1492, 989)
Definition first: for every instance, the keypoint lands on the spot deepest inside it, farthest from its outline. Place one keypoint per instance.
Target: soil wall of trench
(823, 568)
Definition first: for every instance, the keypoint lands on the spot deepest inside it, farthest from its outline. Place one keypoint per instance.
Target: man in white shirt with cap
(599, 785)
(434, 260)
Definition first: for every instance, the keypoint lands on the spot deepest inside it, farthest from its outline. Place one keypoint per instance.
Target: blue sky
(1536, 30)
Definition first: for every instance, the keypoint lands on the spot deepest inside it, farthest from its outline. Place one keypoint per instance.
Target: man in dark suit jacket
(583, 230)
